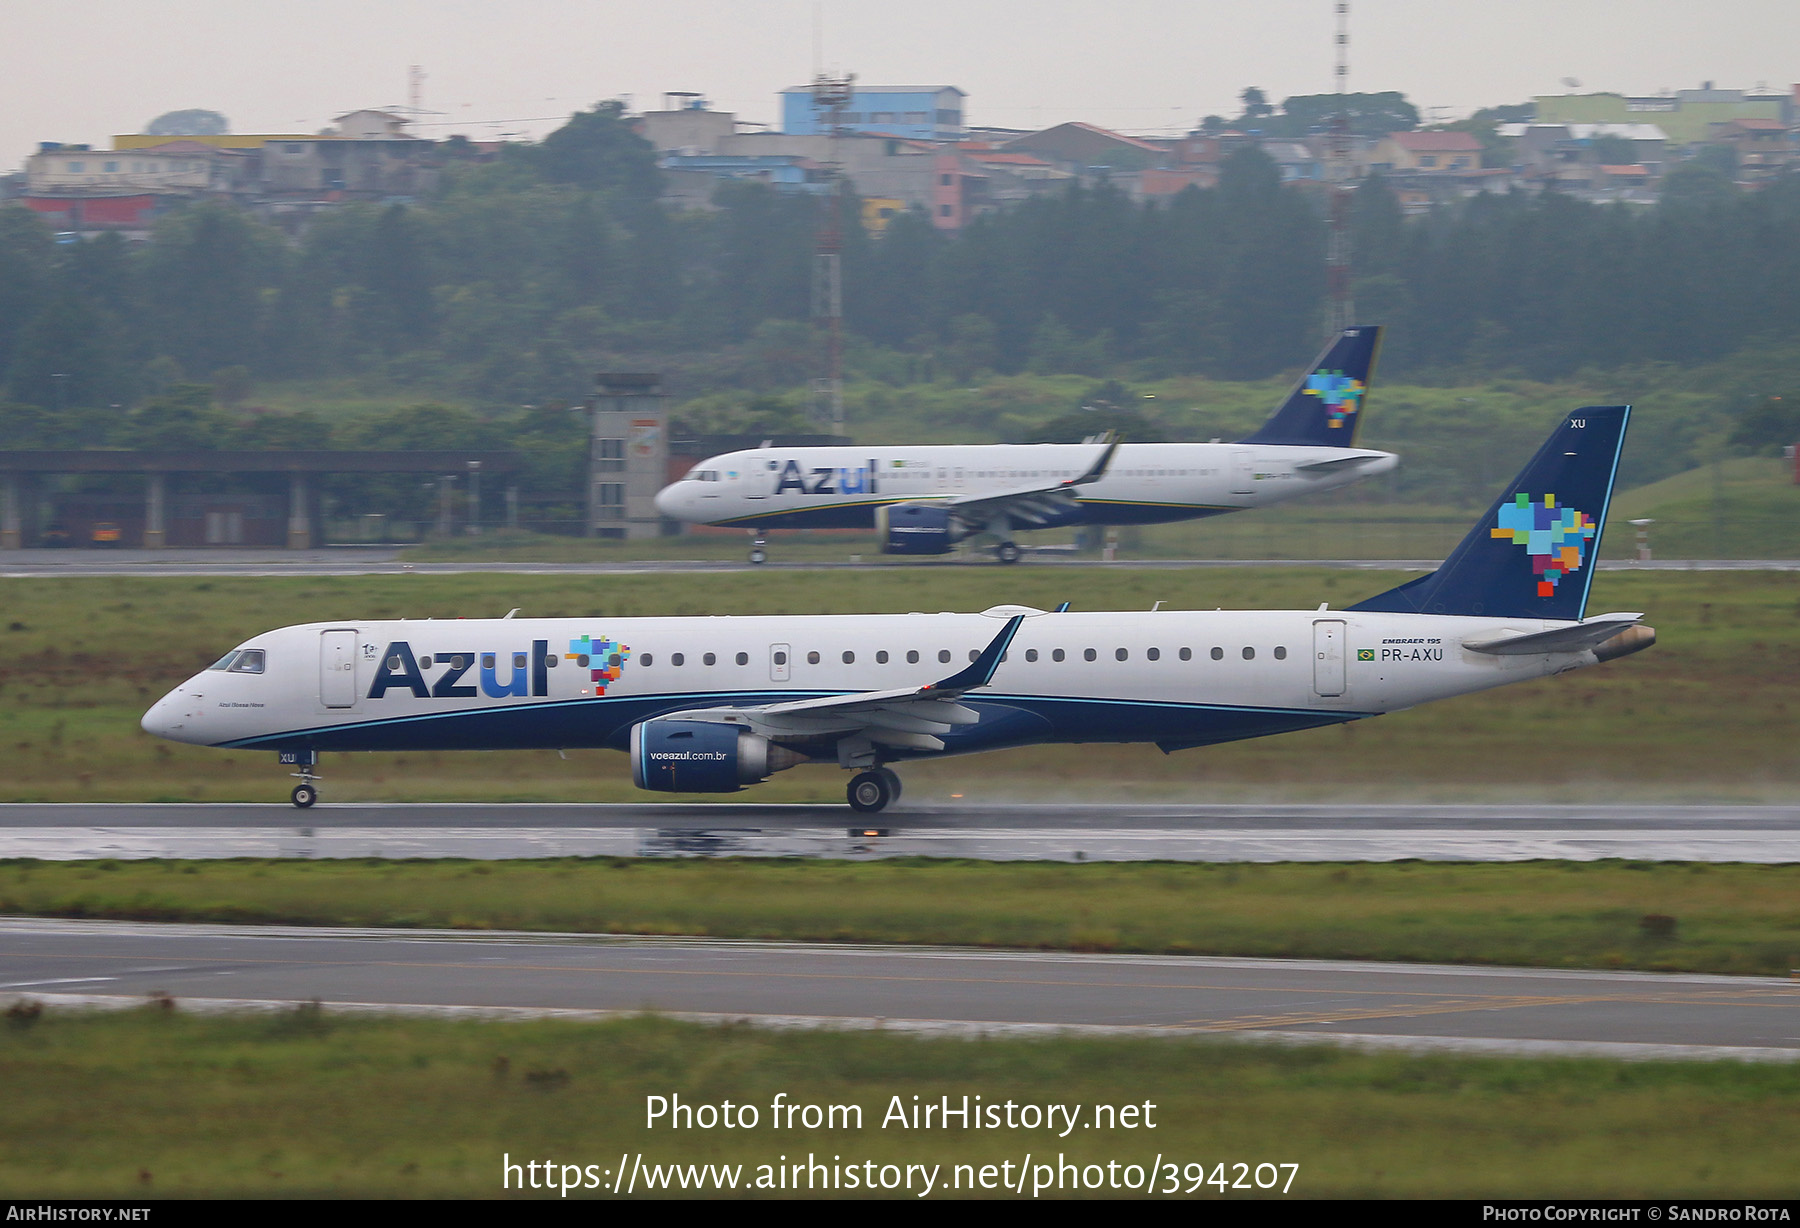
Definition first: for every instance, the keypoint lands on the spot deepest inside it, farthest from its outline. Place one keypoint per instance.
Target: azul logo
(1338, 392)
(447, 675)
(827, 480)
(602, 658)
(1555, 537)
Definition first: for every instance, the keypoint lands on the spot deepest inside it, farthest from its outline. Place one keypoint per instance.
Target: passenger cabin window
(743, 658)
(678, 659)
(1031, 654)
(710, 659)
(1249, 654)
(646, 659)
(1187, 654)
(1056, 655)
(1154, 654)
(944, 655)
(1088, 654)
(1218, 654)
(849, 658)
(881, 658)
(912, 656)
(1280, 653)
(812, 658)
(249, 661)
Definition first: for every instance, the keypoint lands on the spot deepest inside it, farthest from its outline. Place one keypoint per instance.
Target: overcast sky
(80, 73)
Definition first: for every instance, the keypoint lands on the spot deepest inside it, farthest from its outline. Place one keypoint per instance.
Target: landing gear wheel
(870, 792)
(759, 556)
(304, 796)
(893, 780)
(1007, 552)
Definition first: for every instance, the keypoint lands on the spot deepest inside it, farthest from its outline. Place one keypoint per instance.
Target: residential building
(917, 112)
(1764, 147)
(1685, 116)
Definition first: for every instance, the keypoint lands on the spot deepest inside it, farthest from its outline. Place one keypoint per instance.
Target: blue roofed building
(916, 112)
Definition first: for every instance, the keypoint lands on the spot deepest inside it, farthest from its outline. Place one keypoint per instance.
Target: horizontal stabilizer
(1576, 637)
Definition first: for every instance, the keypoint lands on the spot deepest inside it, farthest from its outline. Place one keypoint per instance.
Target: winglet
(1062, 609)
(1097, 470)
(981, 669)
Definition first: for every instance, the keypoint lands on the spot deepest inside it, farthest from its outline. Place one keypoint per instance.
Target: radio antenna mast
(1341, 308)
(830, 96)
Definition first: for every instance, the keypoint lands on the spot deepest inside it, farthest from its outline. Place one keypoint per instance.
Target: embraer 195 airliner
(709, 705)
(931, 499)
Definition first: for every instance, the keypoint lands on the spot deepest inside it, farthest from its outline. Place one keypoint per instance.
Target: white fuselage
(840, 487)
(1172, 677)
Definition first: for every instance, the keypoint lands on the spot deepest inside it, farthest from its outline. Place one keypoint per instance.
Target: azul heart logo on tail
(1555, 537)
(1337, 391)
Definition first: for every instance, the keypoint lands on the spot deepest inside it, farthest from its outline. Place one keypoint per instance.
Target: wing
(1031, 504)
(909, 717)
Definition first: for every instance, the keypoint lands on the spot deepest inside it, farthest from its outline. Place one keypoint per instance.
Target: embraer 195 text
(709, 705)
(929, 500)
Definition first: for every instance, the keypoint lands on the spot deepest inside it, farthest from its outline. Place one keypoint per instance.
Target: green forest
(478, 316)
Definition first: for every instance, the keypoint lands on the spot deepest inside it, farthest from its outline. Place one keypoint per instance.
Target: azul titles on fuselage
(928, 499)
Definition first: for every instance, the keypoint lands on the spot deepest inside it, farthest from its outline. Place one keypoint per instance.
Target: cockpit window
(249, 661)
(224, 661)
(701, 475)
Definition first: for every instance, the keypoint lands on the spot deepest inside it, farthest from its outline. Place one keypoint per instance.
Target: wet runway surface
(1768, 834)
(943, 989)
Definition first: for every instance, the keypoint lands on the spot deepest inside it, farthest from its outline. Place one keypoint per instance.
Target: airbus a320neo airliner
(932, 498)
(712, 704)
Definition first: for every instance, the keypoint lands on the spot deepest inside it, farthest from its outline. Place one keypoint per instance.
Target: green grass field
(1701, 716)
(1701, 918)
(157, 1104)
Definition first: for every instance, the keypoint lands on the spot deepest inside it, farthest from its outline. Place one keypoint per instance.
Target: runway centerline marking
(1434, 1001)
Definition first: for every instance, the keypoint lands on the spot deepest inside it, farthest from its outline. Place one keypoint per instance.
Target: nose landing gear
(758, 543)
(307, 791)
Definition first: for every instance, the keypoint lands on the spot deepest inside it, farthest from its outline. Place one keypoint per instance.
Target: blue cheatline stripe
(1605, 508)
(774, 518)
(652, 703)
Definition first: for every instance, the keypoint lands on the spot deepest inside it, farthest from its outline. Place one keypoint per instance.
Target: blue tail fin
(1532, 555)
(1325, 407)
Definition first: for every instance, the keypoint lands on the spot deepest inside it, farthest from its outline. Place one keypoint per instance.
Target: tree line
(520, 277)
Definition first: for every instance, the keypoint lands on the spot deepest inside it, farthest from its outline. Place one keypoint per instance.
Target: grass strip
(155, 1103)
(1688, 917)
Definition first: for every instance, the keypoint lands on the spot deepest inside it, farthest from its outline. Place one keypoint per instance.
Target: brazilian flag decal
(1365, 654)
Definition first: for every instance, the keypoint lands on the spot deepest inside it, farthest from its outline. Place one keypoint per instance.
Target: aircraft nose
(172, 716)
(668, 501)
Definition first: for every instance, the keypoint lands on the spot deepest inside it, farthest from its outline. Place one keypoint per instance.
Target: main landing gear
(873, 790)
(1007, 552)
(307, 791)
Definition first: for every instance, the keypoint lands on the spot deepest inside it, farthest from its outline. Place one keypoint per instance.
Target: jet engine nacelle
(917, 528)
(676, 756)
